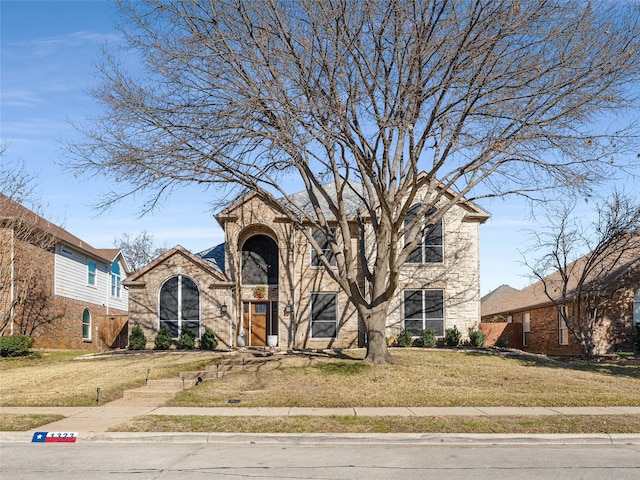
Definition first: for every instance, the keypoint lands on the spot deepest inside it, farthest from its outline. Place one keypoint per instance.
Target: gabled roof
(203, 263)
(534, 295)
(114, 254)
(214, 256)
(501, 291)
(352, 195)
(13, 210)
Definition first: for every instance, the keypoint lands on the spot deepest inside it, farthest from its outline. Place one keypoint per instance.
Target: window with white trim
(91, 272)
(324, 244)
(86, 324)
(526, 329)
(180, 306)
(324, 315)
(563, 330)
(424, 309)
(431, 247)
(115, 280)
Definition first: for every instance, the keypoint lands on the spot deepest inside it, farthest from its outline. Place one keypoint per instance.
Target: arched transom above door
(259, 261)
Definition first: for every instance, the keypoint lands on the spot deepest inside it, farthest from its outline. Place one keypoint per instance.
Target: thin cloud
(48, 45)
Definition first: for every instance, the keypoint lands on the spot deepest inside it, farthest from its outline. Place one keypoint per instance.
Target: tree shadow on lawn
(614, 365)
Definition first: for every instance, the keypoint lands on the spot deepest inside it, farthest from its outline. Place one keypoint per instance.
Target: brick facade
(50, 294)
(614, 326)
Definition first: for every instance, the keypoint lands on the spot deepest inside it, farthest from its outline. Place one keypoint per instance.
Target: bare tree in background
(27, 301)
(138, 250)
(581, 265)
(408, 100)
(15, 182)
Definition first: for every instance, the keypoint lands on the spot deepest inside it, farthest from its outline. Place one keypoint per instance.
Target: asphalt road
(322, 461)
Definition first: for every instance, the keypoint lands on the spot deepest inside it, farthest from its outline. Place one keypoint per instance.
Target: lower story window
(324, 315)
(526, 329)
(563, 330)
(424, 309)
(180, 306)
(86, 324)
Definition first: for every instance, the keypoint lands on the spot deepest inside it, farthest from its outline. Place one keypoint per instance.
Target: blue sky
(49, 50)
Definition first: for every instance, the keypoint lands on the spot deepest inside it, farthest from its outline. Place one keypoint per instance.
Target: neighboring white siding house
(86, 278)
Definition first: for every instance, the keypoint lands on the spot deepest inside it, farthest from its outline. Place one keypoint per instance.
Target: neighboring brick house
(539, 323)
(56, 287)
(264, 283)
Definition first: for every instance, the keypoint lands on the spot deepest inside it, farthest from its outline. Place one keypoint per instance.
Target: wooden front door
(256, 319)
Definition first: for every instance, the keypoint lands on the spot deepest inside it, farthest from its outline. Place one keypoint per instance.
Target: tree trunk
(377, 351)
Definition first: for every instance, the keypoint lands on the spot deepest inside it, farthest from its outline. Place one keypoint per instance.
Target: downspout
(230, 315)
(109, 280)
(292, 315)
(11, 291)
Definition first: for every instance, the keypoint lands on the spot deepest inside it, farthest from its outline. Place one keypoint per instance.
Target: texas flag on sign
(54, 437)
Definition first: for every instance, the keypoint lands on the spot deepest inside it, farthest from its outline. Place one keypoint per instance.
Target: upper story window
(323, 242)
(260, 261)
(115, 280)
(91, 272)
(431, 247)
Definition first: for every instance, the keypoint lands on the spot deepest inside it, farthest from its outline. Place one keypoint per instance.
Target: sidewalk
(100, 419)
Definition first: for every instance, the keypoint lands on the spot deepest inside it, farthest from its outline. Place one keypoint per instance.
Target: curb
(321, 438)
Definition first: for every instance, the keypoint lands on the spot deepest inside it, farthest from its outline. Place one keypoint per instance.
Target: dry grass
(423, 378)
(56, 378)
(352, 424)
(22, 423)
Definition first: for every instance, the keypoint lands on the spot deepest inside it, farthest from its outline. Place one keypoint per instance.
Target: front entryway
(260, 319)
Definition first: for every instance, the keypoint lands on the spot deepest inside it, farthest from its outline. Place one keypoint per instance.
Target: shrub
(137, 339)
(452, 336)
(404, 338)
(477, 337)
(187, 340)
(209, 340)
(15, 345)
(163, 339)
(428, 338)
(502, 342)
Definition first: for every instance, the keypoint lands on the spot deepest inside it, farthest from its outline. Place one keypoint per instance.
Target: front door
(255, 319)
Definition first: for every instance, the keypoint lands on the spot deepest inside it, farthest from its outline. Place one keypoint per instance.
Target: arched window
(115, 280)
(86, 324)
(260, 261)
(180, 306)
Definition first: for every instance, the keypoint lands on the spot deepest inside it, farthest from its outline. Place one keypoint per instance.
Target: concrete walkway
(100, 419)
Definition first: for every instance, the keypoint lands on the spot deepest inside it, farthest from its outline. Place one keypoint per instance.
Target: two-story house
(56, 287)
(265, 284)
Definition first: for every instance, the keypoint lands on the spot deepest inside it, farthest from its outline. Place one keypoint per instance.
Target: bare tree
(27, 301)
(15, 181)
(582, 285)
(399, 102)
(138, 250)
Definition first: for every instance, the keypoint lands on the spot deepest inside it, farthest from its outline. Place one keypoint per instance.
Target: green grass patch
(343, 368)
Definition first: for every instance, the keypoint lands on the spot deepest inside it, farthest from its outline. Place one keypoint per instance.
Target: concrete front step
(221, 369)
(165, 388)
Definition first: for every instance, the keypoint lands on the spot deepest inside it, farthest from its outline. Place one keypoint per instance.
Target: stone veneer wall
(143, 302)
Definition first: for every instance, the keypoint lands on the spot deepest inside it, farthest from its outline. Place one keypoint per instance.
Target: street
(330, 461)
